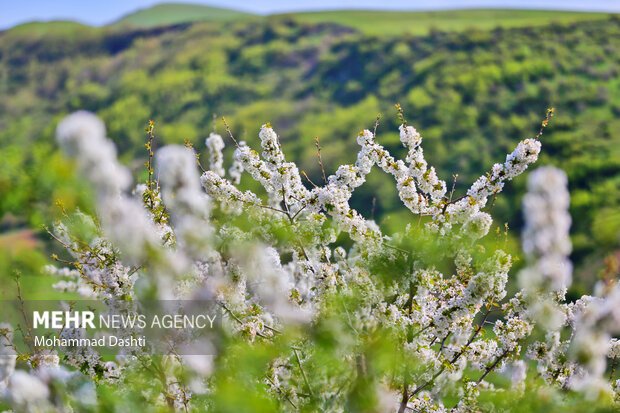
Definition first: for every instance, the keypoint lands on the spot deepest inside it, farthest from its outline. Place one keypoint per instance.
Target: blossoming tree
(322, 310)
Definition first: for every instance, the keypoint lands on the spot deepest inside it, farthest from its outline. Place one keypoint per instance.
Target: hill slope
(399, 22)
(54, 27)
(172, 13)
(372, 22)
(472, 95)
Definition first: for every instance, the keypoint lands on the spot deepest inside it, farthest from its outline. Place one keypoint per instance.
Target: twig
(453, 186)
(420, 331)
(237, 319)
(309, 180)
(443, 342)
(457, 356)
(282, 392)
(64, 244)
(22, 308)
(401, 117)
(473, 336)
(421, 387)
(545, 122)
(250, 203)
(396, 248)
(320, 158)
(372, 211)
(188, 144)
(350, 322)
(292, 219)
(275, 330)
(492, 202)
(374, 132)
(55, 258)
(298, 212)
(288, 211)
(459, 198)
(265, 206)
(229, 132)
(149, 148)
(134, 270)
(303, 372)
(492, 366)
(203, 170)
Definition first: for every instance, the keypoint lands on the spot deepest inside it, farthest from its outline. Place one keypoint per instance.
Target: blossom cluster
(275, 260)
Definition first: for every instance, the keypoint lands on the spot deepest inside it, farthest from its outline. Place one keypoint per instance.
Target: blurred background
(474, 77)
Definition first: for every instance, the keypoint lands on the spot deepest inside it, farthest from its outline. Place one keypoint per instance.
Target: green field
(420, 23)
(173, 13)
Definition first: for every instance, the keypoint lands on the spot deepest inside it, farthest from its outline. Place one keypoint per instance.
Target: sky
(98, 12)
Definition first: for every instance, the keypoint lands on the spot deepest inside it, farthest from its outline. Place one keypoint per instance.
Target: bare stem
(237, 319)
(492, 366)
(453, 186)
(320, 158)
(149, 148)
(229, 132)
(286, 396)
(309, 180)
(374, 132)
(303, 373)
(545, 122)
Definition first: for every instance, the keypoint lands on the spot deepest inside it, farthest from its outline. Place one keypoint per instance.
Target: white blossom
(215, 144)
(273, 260)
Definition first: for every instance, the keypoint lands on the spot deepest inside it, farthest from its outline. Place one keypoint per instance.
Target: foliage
(322, 310)
(471, 93)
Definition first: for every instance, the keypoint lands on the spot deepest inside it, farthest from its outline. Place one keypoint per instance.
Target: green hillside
(366, 21)
(472, 94)
(399, 22)
(172, 13)
(55, 27)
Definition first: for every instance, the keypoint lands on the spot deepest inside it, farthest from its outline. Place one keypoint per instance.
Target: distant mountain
(173, 13)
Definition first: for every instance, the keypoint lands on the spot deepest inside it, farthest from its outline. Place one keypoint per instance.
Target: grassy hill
(172, 13)
(367, 21)
(419, 23)
(55, 27)
(472, 94)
